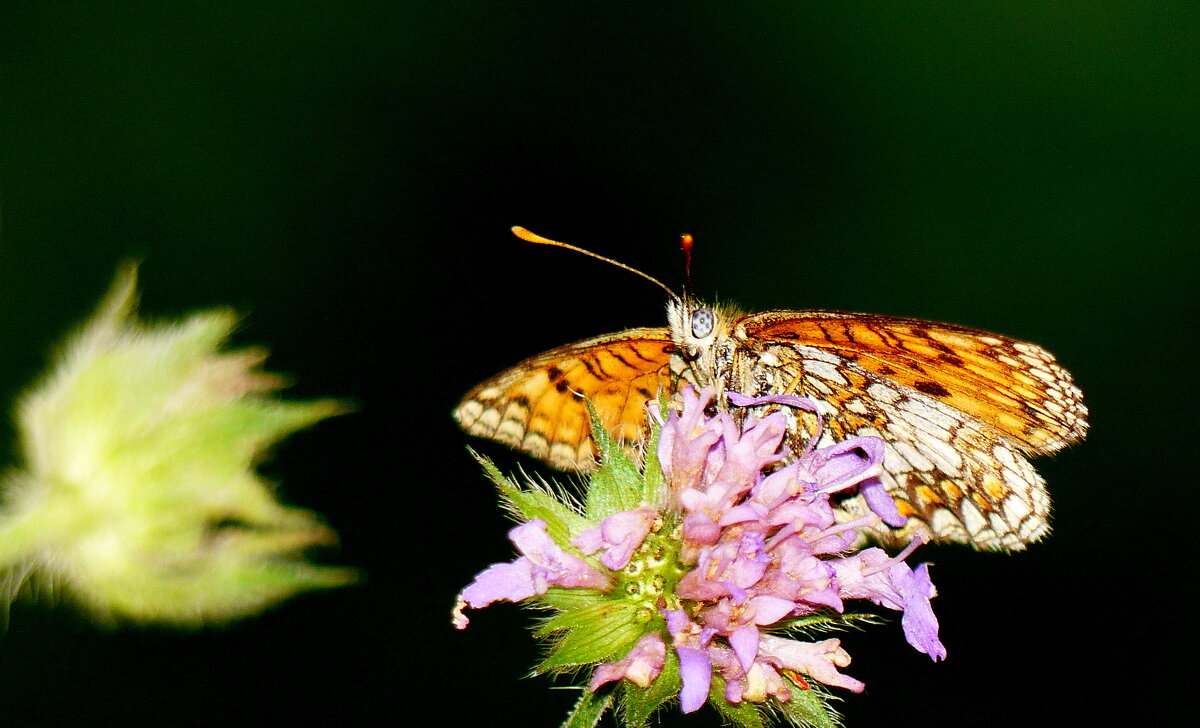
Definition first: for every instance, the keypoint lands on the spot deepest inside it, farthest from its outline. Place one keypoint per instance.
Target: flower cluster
(723, 552)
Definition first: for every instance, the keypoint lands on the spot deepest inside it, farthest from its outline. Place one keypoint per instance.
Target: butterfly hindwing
(956, 419)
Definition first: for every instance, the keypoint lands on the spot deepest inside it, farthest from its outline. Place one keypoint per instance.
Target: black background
(345, 174)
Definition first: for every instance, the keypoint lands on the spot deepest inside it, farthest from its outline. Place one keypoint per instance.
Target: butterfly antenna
(529, 237)
(685, 241)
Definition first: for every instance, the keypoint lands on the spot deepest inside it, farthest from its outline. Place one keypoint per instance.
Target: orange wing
(1015, 387)
(538, 405)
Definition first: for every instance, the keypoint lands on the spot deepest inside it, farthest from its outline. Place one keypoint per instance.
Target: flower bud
(138, 494)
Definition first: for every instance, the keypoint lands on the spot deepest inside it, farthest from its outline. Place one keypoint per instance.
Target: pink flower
(744, 546)
(766, 546)
(619, 535)
(889, 582)
(543, 564)
(687, 439)
(640, 667)
(819, 660)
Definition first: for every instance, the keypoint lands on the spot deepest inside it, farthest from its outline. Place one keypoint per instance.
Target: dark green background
(346, 173)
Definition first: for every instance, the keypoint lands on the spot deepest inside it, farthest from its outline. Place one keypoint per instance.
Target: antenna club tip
(527, 236)
(685, 241)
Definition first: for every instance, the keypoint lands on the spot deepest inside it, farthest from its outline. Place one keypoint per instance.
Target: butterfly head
(703, 337)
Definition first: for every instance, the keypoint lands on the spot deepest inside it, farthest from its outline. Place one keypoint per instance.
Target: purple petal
(805, 578)
(695, 671)
(744, 642)
(620, 533)
(889, 582)
(919, 622)
(750, 561)
(743, 513)
(531, 540)
(819, 659)
(756, 447)
(707, 580)
(590, 541)
(543, 564)
(846, 463)
(699, 529)
(678, 622)
(727, 664)
(864, 575)
(555, 566)
(881, 502)
(778, 486)
(769, 610)
(687, 439)
(800, 512)
(512, 582)
(641, 666)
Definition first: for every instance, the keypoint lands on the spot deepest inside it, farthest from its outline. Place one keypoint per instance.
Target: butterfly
(960, 410)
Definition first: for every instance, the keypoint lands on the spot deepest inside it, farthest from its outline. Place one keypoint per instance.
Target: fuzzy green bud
(138, 494)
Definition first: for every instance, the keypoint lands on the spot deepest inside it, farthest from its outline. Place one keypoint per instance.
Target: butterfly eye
(702, 322)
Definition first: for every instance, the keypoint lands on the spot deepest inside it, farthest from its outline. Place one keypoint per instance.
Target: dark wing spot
(557, 378)
(788, 335)
(951, 359)
(617, 355)
(933, 389)
(594, 368)
(639, 355)
(886, 371)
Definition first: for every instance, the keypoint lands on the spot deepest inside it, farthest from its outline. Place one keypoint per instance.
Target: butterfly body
(960, 410)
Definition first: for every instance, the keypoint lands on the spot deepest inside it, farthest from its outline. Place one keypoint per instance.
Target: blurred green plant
(137, 495)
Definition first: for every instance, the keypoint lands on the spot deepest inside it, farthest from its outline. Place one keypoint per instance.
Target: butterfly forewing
(956, 407)
(538, 406)
(1015, 387)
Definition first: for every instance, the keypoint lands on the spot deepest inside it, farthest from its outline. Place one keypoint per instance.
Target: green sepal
(566, 600)
(638, 704)
(588, 709)
(652, 474)
(743, 715)
(616, 485)
(809, 708)
(602, 632)
(526, 504)
(827, 620)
